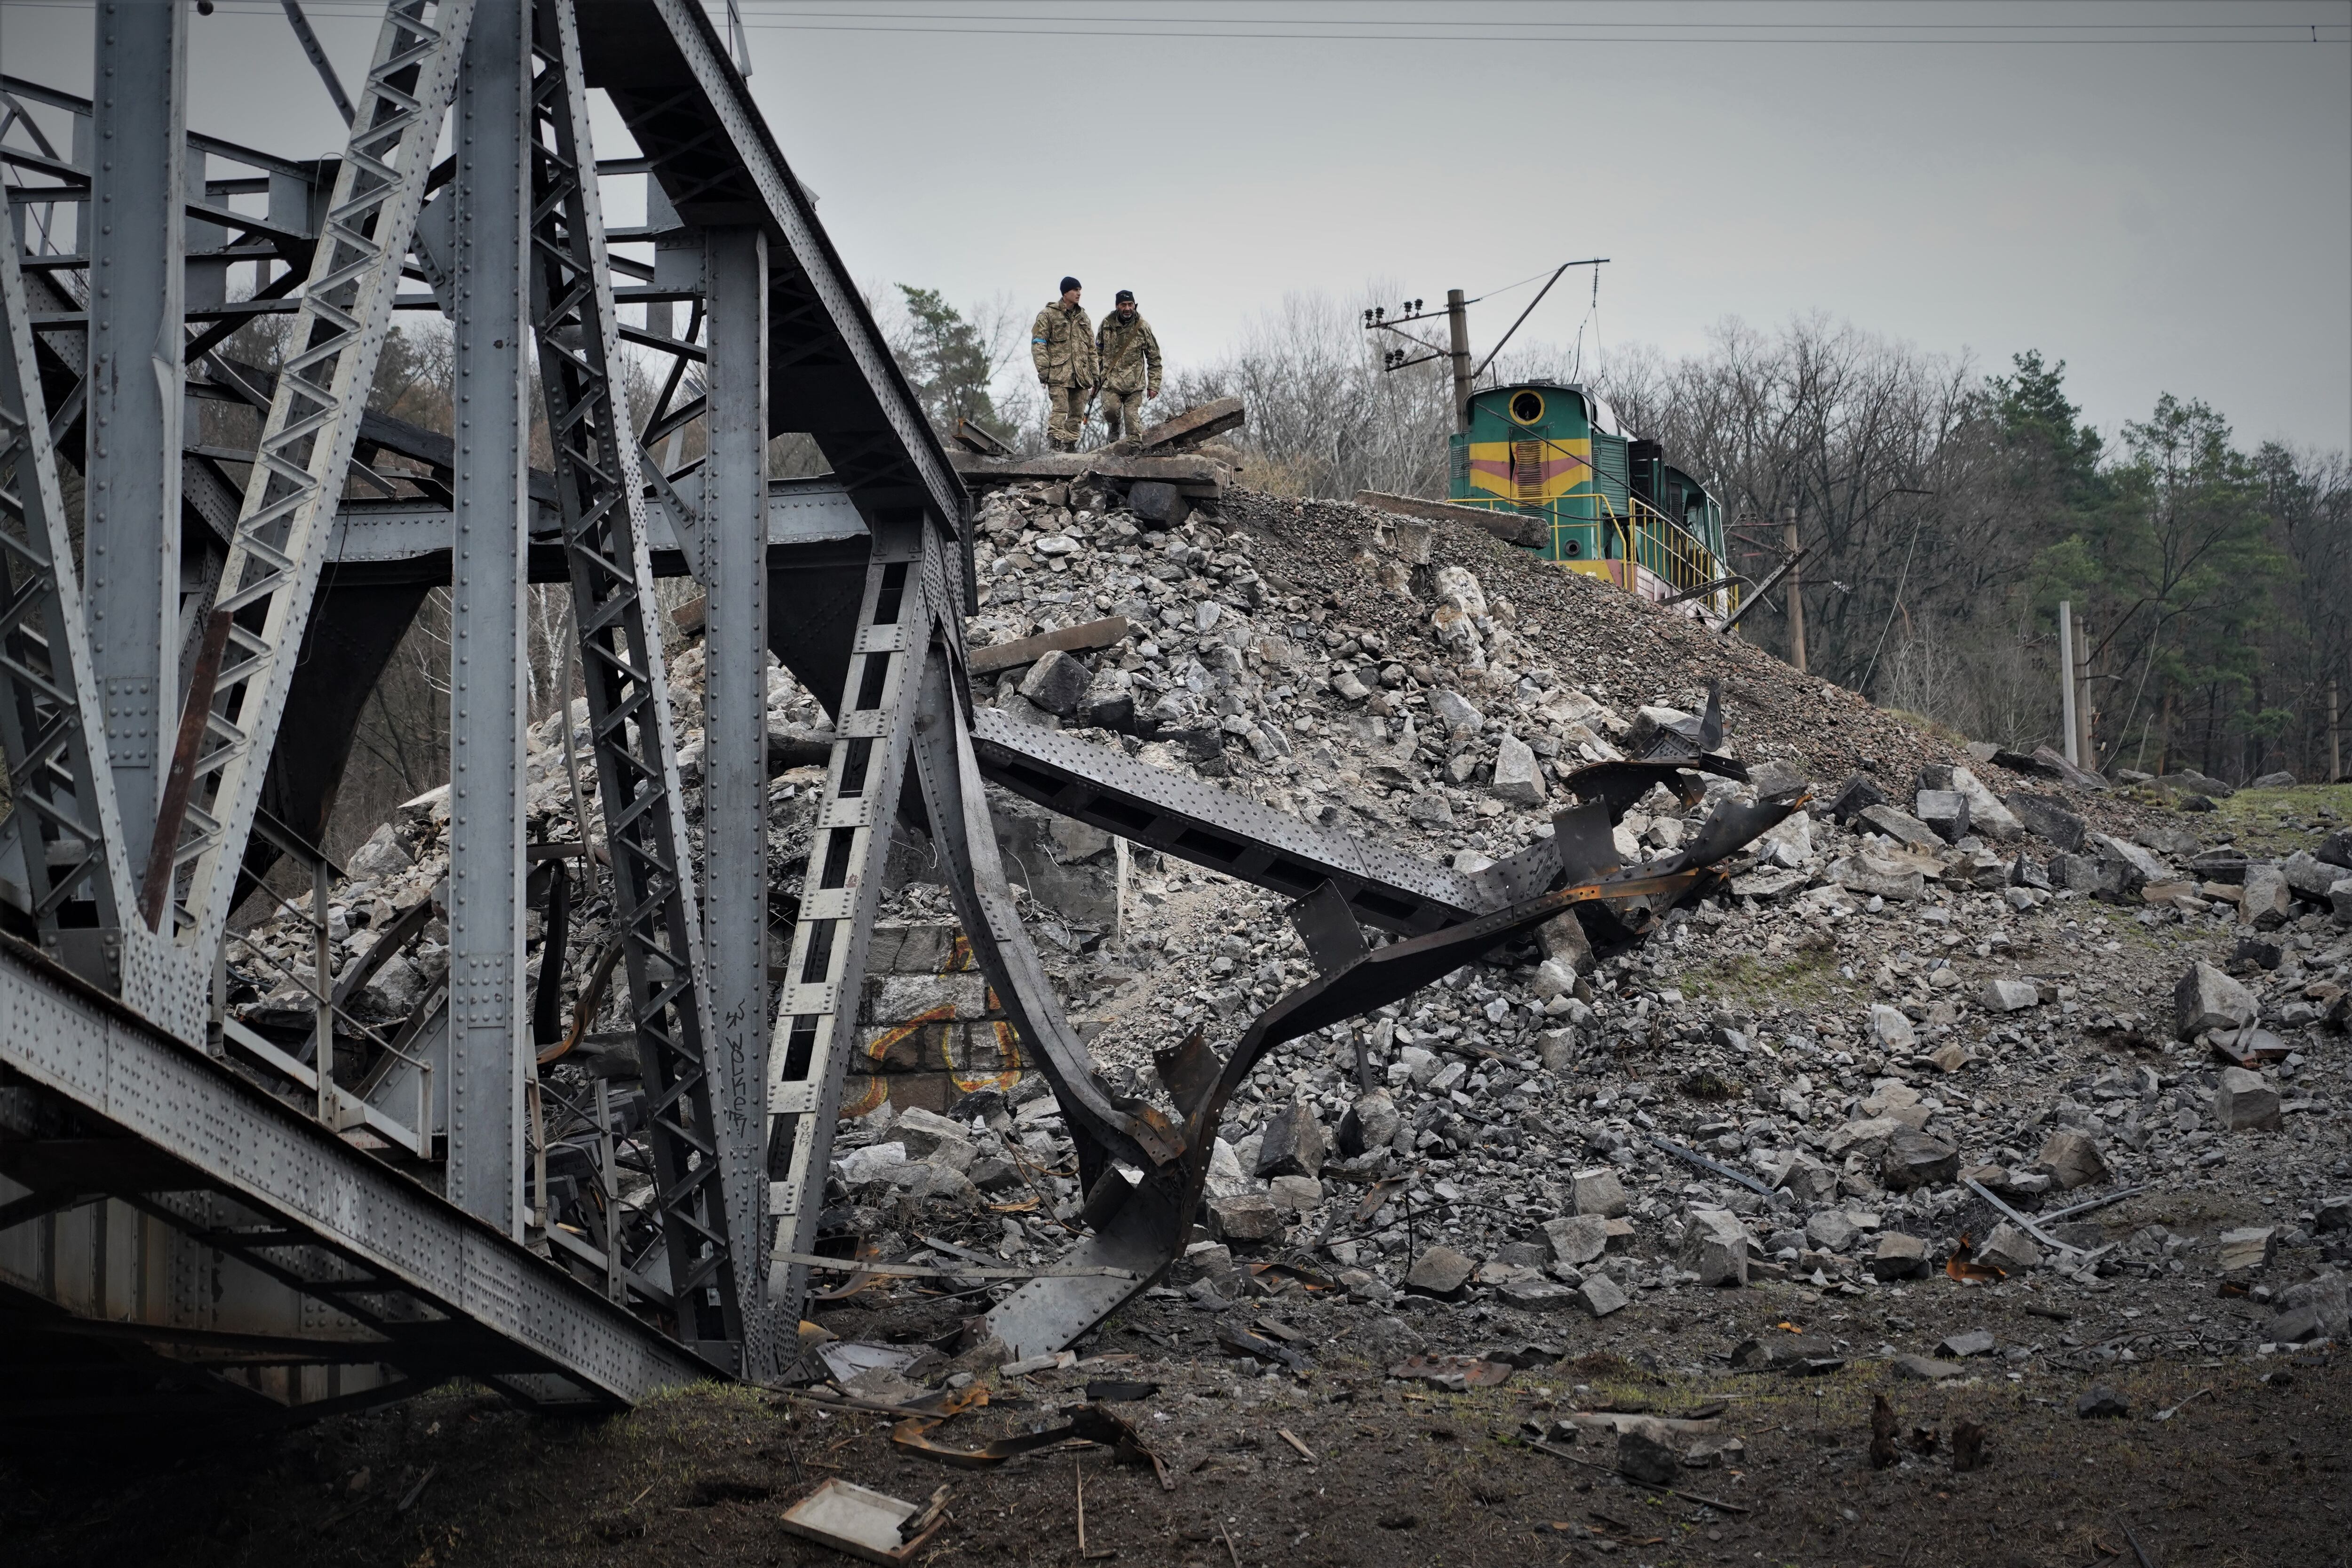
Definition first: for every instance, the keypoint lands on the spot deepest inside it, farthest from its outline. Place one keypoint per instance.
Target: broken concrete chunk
(1988, 817)
(1538, 1296)
(1872, 875)
(1599, 1192)
(1575, 1240)
(2073, 1159)
(1899, 1256)
(2205, 998)
(1440, 1271)
(2265, 900)
(1600, 1296)
(1945, 811)
(1056, 681)
(1808, 1181)
(2245, 1102)
(1890, 1028)
(1902, 827)
(1302, 1194)
(1831, 1231)
(2048, 820)
(1971, 1341)
(1246, 1216)
(1371, 1123)
(2009, 1249)
(923, 1131)
(2251, 1247)
(1856, 796)
(1518, 777)
(1925, 1370)
(1294, 1143)
(1919, 1160)
(2009, 996)
(2310, 876)
(1714, 1246)
(2313, 1309)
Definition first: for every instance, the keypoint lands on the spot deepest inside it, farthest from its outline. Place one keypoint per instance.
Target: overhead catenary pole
(2085, 755)
(2066, 682)
(2334, 749)
(1796, 588)
(1457, 338)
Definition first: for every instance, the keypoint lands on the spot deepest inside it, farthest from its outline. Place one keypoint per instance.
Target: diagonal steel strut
(275, 554)
(630, 723)
(66, 829)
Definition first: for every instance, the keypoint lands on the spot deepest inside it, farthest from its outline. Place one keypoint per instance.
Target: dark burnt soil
(2253, 1472)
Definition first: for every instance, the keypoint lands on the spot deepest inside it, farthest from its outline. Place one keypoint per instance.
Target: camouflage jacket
(1129, 355)
(1062, 343)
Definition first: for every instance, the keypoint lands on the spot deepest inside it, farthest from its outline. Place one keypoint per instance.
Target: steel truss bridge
(200, 1220)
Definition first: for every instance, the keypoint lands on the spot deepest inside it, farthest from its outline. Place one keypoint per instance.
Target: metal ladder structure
(207, 1219)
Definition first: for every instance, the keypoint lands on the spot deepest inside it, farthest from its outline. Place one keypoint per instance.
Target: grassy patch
(2260, 817)
(1807, 978)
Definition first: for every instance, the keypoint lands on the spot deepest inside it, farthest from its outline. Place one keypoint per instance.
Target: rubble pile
(1960, 990)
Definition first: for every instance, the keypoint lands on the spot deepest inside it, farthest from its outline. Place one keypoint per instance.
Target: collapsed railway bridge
(199, 1218)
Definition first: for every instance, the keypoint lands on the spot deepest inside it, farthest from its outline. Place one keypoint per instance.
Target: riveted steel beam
(735, 707)
(631, 730)
(274, 559)
(488, 662)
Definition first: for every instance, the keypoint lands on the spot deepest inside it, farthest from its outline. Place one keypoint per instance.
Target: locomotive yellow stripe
(1567, 467)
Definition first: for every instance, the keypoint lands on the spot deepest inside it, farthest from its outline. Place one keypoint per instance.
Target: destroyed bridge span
(202, 1217)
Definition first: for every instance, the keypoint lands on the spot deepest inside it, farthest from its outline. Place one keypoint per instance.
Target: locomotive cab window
(1527, 408)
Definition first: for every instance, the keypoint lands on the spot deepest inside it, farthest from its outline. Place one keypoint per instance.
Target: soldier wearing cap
(1062, 342)
(1130, 356)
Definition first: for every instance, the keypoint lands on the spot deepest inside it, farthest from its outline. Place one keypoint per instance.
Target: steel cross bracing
(64, 839)
(575, 325)
(277, 550)
(131, 1105)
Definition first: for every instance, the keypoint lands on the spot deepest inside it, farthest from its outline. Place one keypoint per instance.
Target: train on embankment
(1610, 504)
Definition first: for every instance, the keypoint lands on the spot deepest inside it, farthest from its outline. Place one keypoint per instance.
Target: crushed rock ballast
(1947, 996)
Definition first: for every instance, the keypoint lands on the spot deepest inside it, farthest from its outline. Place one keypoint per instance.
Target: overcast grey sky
(2165, 215)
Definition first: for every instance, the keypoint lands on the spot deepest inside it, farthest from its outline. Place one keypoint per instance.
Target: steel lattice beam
(274, 558)
(628, 699)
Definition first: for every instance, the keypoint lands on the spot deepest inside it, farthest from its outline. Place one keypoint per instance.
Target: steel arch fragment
(631, 730)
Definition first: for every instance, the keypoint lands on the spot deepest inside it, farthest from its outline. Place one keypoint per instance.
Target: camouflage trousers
(1122, 414)
(1065, 413)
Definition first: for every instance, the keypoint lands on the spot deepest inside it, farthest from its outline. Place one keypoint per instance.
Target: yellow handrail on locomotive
(1654, 541)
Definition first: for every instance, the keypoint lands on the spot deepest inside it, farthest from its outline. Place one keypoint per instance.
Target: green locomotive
(1616, 507)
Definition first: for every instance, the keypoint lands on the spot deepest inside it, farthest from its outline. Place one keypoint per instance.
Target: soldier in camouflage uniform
(1130, 356)
(1062, 342)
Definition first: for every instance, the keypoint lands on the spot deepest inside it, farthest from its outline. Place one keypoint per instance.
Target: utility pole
(2335, 751)
(2066, 682)
(1457, 337)
(2089, 756)
(1796, 588)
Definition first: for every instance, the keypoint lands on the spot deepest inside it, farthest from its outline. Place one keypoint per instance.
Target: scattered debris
(2099, 1401)
(1968, 1447)
(850, 1518)
(1454, 1373)
(1882, 1426)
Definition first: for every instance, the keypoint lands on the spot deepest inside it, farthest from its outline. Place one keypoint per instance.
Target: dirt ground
(1400, 1473)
